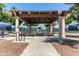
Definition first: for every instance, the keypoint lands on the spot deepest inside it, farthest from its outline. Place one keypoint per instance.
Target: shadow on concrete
(66, 41)
(73, 36)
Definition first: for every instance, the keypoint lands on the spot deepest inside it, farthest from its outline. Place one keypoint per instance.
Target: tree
(46, 25)
(75, 6)
(13, 8)
(70, 19)
(74, 10)
(7, 18)
(12, 19)
(2, 6)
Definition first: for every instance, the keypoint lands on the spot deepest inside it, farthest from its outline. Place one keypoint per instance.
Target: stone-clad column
(29, 27)
(51, 28)
(17, 28)
(62, 27)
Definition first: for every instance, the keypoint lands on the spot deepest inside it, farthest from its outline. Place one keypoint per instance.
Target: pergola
(48, 17)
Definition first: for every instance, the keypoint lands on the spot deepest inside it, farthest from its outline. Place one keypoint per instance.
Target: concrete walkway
(37, 47)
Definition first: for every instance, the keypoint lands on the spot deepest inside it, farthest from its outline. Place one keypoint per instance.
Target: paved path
(37, 47)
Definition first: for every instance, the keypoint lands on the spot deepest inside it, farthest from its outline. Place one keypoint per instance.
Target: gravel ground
(67, 48)
(9, 48)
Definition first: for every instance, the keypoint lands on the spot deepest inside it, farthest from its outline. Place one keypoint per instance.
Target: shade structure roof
(39, 16)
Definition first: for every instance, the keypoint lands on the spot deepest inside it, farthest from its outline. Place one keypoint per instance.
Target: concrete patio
(37, 47)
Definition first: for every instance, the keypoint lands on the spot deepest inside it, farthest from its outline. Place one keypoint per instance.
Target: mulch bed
(67, 48)
(9, 48)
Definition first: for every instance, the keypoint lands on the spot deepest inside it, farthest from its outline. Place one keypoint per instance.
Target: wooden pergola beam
(37, 15)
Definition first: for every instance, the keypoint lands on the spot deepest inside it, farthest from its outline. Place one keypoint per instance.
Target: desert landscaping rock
(8, 48)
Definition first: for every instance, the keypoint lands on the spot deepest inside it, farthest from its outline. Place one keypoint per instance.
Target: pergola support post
(29, 26)
(51, 28)
(61, 28)
(17, 28)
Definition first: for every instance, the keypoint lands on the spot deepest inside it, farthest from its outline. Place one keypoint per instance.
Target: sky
(38, 6)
